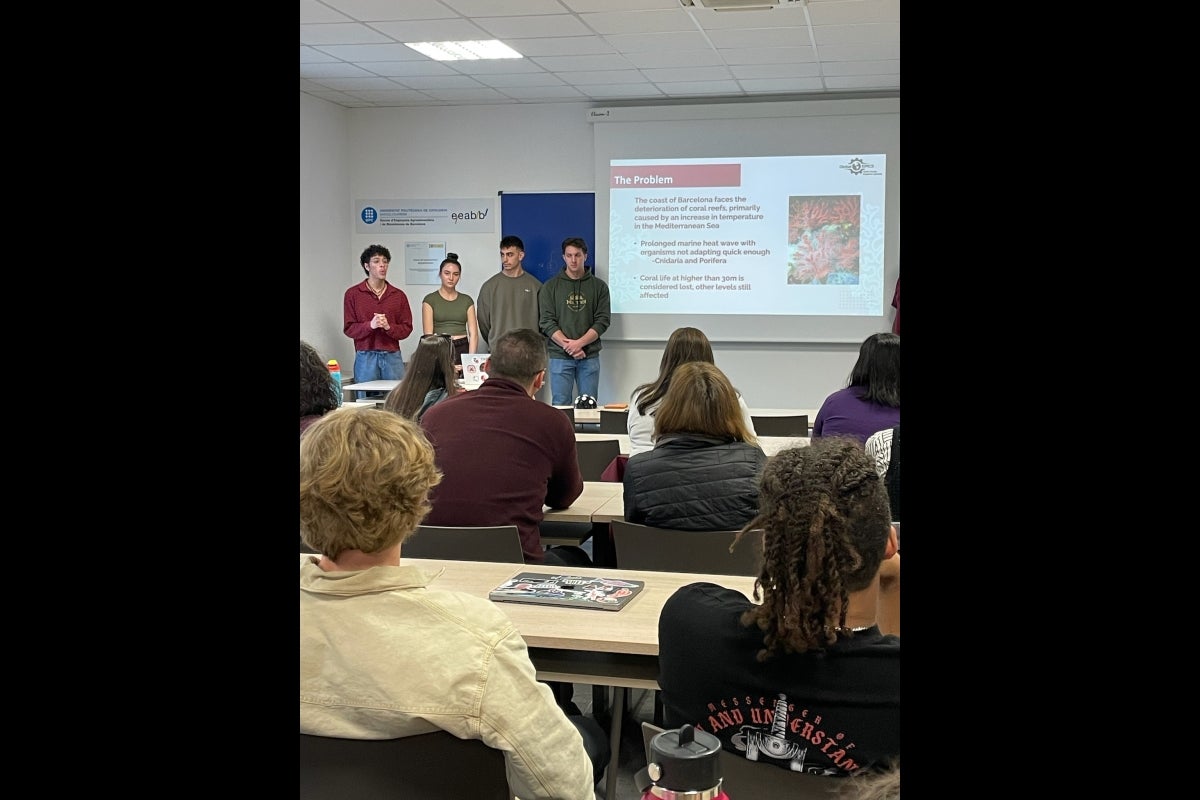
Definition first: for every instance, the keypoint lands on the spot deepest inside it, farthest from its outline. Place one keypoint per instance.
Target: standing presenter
(574, 311)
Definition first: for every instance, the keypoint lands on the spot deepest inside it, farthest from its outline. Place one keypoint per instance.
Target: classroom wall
(473, 152)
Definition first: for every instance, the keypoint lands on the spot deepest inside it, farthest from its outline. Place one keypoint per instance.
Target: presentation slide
(760, 235)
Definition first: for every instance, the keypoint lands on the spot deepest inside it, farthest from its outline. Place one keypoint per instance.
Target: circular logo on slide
(856, 165)
(369, 215)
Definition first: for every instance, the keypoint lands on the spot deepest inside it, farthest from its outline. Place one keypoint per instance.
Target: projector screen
(793, 236)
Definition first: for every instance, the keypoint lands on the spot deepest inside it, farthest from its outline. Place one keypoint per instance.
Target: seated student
(871, 401)
(428, 379)
(505, 455)
(685, 344)
(884, 447)
(318, 392)
(383, 654)
(806, 680)
(702, 474)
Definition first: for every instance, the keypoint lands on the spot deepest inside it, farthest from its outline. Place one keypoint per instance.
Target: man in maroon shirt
(504, 454)
(376, 315)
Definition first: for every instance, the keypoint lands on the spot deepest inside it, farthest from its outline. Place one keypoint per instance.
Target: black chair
(614, 421)
(430, 766)
(794, 425)
(666, 550)
(741, 777)
(595, 455)
(570, 412)
(463, 543)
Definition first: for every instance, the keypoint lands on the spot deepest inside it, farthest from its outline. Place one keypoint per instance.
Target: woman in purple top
(872, 400)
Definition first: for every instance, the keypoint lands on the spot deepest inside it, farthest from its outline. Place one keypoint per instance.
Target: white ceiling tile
(401, 69)
(544, 93)
(424, 84)
(768, 55)
(760, 37)
(860, 67)
(699, 87)
(857, 34)
(374, 52)
(621, 90)
(504, 8)
(883, 51)
(746, 72)
(377, 10)
(532, 27)
(433, 30)
(581, 63)
(687, 74)
(335, 70)
(358, 84)
(639, 22)
(669, 40)
(312, 11)
(309, 55)
(584, 6)
(627, 76)
(680, 58)
(854, 11)
(339, 33)
(782, 85)
(507, 82)
(561, 46)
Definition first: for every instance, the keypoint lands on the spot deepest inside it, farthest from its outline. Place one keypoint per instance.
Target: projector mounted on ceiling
(737, 5)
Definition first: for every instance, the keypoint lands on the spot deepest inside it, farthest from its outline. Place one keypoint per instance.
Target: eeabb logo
(465, 215)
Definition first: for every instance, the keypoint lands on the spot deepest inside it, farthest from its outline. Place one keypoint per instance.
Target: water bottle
(336, 372)
(683, 764)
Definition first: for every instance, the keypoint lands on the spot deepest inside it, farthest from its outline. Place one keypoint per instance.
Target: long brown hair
(431, 367)
(684, 345)
(702, 400)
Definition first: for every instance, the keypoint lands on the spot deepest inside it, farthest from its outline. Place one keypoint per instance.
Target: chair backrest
(614, 421)
(666, 550)
(570, 412)
(596, 454)
(431, 766)
(741, 777)
(795, 425)
(455, 543)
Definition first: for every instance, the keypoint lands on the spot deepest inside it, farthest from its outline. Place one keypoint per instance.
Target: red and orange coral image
(823, 239)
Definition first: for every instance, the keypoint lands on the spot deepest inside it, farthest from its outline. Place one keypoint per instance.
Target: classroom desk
(769, 444)
(588, 415)
(595, 494)
(370, 386)
(600, 648)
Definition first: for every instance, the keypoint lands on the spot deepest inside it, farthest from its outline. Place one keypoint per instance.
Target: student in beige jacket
(383, 655)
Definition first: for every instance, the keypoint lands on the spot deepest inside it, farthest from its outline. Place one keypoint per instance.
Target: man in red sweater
(505, 454)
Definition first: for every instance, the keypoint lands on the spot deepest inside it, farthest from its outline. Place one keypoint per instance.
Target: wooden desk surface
(769, 444)
(371, 386)
(595, 494)
(633, 629)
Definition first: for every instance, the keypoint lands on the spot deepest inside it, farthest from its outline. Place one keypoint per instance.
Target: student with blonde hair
(385, 654)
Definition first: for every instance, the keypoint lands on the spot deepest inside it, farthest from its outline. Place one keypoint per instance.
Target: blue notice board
(543, 220)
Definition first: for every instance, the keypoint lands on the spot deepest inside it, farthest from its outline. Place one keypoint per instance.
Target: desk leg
(614, 741)
(604, 554)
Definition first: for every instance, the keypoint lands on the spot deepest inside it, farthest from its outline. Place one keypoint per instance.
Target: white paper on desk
(472, 364)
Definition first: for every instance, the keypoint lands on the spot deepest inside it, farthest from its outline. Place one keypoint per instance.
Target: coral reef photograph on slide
(823, 236)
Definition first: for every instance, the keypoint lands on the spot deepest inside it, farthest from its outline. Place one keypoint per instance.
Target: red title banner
(667, 176)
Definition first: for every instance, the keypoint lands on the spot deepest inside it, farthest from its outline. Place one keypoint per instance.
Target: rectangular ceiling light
(468, 51)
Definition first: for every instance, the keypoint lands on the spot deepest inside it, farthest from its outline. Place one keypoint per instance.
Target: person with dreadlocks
(804, 680)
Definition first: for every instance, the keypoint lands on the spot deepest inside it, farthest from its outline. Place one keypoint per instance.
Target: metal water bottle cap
(685, 762)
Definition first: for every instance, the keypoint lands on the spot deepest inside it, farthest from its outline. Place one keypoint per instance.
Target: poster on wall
(421, 262)
(424, 216)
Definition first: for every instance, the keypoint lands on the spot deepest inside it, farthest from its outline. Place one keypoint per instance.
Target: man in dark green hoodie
(574, 312)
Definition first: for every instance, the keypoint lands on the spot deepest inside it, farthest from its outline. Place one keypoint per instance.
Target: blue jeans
(377, 365)
(565, 372)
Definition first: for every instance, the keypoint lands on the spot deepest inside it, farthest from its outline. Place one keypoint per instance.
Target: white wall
(475, 152)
